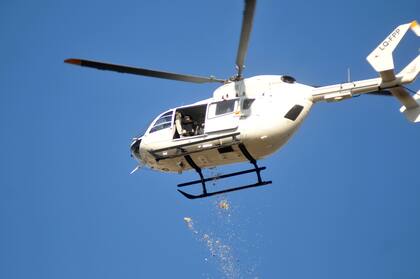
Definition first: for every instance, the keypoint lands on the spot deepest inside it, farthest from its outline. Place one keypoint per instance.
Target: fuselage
(261, 112)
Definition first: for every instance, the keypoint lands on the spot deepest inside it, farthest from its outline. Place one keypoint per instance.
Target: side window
(223, 107)
(162, 122)
(294, 112)
(246, 103)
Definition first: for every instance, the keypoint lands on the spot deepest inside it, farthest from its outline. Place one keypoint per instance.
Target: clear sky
(345, 202)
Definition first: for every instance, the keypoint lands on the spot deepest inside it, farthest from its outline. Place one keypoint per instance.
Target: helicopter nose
(135, 148)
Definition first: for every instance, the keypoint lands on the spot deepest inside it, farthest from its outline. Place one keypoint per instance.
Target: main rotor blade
(141, 71)
(245, 33)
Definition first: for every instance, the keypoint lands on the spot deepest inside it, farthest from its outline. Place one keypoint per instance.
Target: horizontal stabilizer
(404, 97)
(411, 71)
(413, 113)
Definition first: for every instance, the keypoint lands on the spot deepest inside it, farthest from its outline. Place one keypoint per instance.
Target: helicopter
(248, 119)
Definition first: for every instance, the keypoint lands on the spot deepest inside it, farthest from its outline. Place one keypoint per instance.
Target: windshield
(163, 122)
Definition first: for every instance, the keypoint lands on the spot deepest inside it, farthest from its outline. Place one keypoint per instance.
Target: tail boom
(381, 60)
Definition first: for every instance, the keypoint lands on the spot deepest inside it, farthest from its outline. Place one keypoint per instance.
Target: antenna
(348, 74)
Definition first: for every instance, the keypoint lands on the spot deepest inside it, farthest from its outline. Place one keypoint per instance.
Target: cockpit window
(162, 122)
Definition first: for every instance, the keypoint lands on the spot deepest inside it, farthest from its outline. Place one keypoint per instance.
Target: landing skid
(203, 180)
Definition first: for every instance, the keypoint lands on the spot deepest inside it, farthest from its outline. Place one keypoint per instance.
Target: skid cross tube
(192, 197)
(220, 177)
(203, 180)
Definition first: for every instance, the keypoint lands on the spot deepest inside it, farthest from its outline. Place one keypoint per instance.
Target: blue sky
(346, 191)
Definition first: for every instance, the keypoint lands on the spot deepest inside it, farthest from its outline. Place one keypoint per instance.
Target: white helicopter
(248, 119)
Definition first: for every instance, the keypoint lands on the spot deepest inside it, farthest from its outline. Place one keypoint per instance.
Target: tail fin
(382, 61)
(381, 58)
